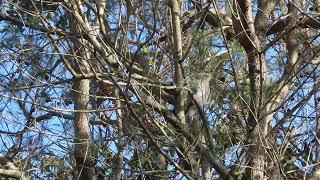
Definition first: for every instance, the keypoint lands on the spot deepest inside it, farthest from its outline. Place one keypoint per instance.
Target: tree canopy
(159, 89)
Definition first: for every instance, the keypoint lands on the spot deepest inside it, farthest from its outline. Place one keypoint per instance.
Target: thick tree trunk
(82, 153)
(256, 154)
(256, 151)
(85, 168)
(251, 35)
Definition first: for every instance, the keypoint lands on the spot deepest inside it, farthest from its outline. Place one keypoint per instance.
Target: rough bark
(251, 35)
(82, 152)
(85, 169)
(267, 105)
(244, 27)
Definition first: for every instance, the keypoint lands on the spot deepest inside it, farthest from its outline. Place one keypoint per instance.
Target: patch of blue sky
(275, 58)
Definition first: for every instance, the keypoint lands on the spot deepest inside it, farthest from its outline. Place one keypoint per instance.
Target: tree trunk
(82, 152)
(120, 145)
(85, 168)
(258, 127)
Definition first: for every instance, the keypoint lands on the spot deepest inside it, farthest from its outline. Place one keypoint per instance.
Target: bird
(201, 95)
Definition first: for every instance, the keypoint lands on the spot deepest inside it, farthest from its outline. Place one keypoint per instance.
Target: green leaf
(145, 50)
